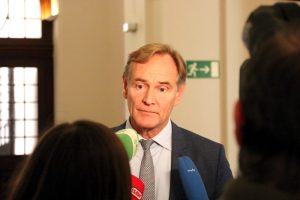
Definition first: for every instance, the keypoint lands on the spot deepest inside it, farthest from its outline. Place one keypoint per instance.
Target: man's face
(152, 92)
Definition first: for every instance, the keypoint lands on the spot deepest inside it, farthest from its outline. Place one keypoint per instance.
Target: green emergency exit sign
(202, 69)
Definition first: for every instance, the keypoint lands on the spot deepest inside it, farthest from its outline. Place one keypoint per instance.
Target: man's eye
(139, 86)
(163, 89)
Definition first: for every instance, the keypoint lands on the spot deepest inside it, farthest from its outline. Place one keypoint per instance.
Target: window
(26, 81)
(21, 19)
(18, 110)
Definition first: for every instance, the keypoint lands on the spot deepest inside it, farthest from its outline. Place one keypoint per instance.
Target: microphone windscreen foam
(137, 188)
(191, 180)
(129, 139)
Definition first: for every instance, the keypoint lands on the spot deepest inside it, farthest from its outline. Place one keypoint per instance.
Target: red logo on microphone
(135, 192)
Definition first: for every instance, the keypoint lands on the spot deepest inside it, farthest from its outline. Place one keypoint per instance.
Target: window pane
(24, 145)
(4, 111)
(19, 146)
(31, 128)
(16, 28)
(27, 128)
(19, 93)
(30, 111)
(19, 111)
(4, 94)
(32, 9)
(30, 75)
(3, 9)
(19, 128)
(16, 9)
(4, 75)
(4, 132)
(18, 75)
(33, 28)
(3, 16)
(4, 30)
(31, 93)
(29, 145)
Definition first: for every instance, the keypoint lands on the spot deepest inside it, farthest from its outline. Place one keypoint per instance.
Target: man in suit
(153, 83)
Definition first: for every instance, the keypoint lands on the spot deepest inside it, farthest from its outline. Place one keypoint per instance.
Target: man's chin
(146, 125)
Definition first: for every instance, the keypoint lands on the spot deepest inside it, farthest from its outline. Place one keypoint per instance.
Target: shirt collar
(163, 138)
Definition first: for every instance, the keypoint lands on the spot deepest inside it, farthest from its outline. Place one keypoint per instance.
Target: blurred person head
(80, 160)
(263, 23)
(268, 113)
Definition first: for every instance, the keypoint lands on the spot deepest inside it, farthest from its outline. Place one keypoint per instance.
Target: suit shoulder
(119, 127)
(199, 139)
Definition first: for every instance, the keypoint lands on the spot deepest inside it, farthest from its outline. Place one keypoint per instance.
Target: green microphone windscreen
(129, 139)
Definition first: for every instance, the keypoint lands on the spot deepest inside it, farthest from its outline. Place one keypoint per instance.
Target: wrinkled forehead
(155, 72)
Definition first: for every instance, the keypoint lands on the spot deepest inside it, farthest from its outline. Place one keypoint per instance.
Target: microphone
(137, 188)
(129, 139)
(191, 180)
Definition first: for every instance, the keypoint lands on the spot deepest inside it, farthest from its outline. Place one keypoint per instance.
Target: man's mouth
(147, 111)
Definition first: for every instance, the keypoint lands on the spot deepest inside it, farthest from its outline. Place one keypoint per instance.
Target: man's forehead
(155, 77)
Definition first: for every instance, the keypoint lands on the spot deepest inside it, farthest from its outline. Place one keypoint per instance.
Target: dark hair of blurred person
(268, 122)
(80, 160)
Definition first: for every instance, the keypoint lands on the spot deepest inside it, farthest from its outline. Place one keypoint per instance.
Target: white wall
(89, 61)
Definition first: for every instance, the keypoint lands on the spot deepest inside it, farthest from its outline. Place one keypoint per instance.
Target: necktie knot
(146, 144)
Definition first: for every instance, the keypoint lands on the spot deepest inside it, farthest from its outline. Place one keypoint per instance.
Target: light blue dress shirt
(161, 155)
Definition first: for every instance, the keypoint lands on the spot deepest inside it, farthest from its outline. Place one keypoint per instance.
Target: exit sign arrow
(205, 69)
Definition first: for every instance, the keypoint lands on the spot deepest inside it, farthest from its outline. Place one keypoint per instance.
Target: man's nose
(149, 97)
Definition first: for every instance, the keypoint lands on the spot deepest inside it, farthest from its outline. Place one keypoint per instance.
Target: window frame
(37, 53)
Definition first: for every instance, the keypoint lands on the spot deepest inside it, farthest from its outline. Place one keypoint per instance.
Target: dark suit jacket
(208, 156)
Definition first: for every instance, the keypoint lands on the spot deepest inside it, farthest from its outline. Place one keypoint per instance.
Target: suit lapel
(120, 127)
(179, 148)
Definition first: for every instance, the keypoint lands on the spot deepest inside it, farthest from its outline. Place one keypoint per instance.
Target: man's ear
(179, 94)
(239, 120)
(125, 88)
